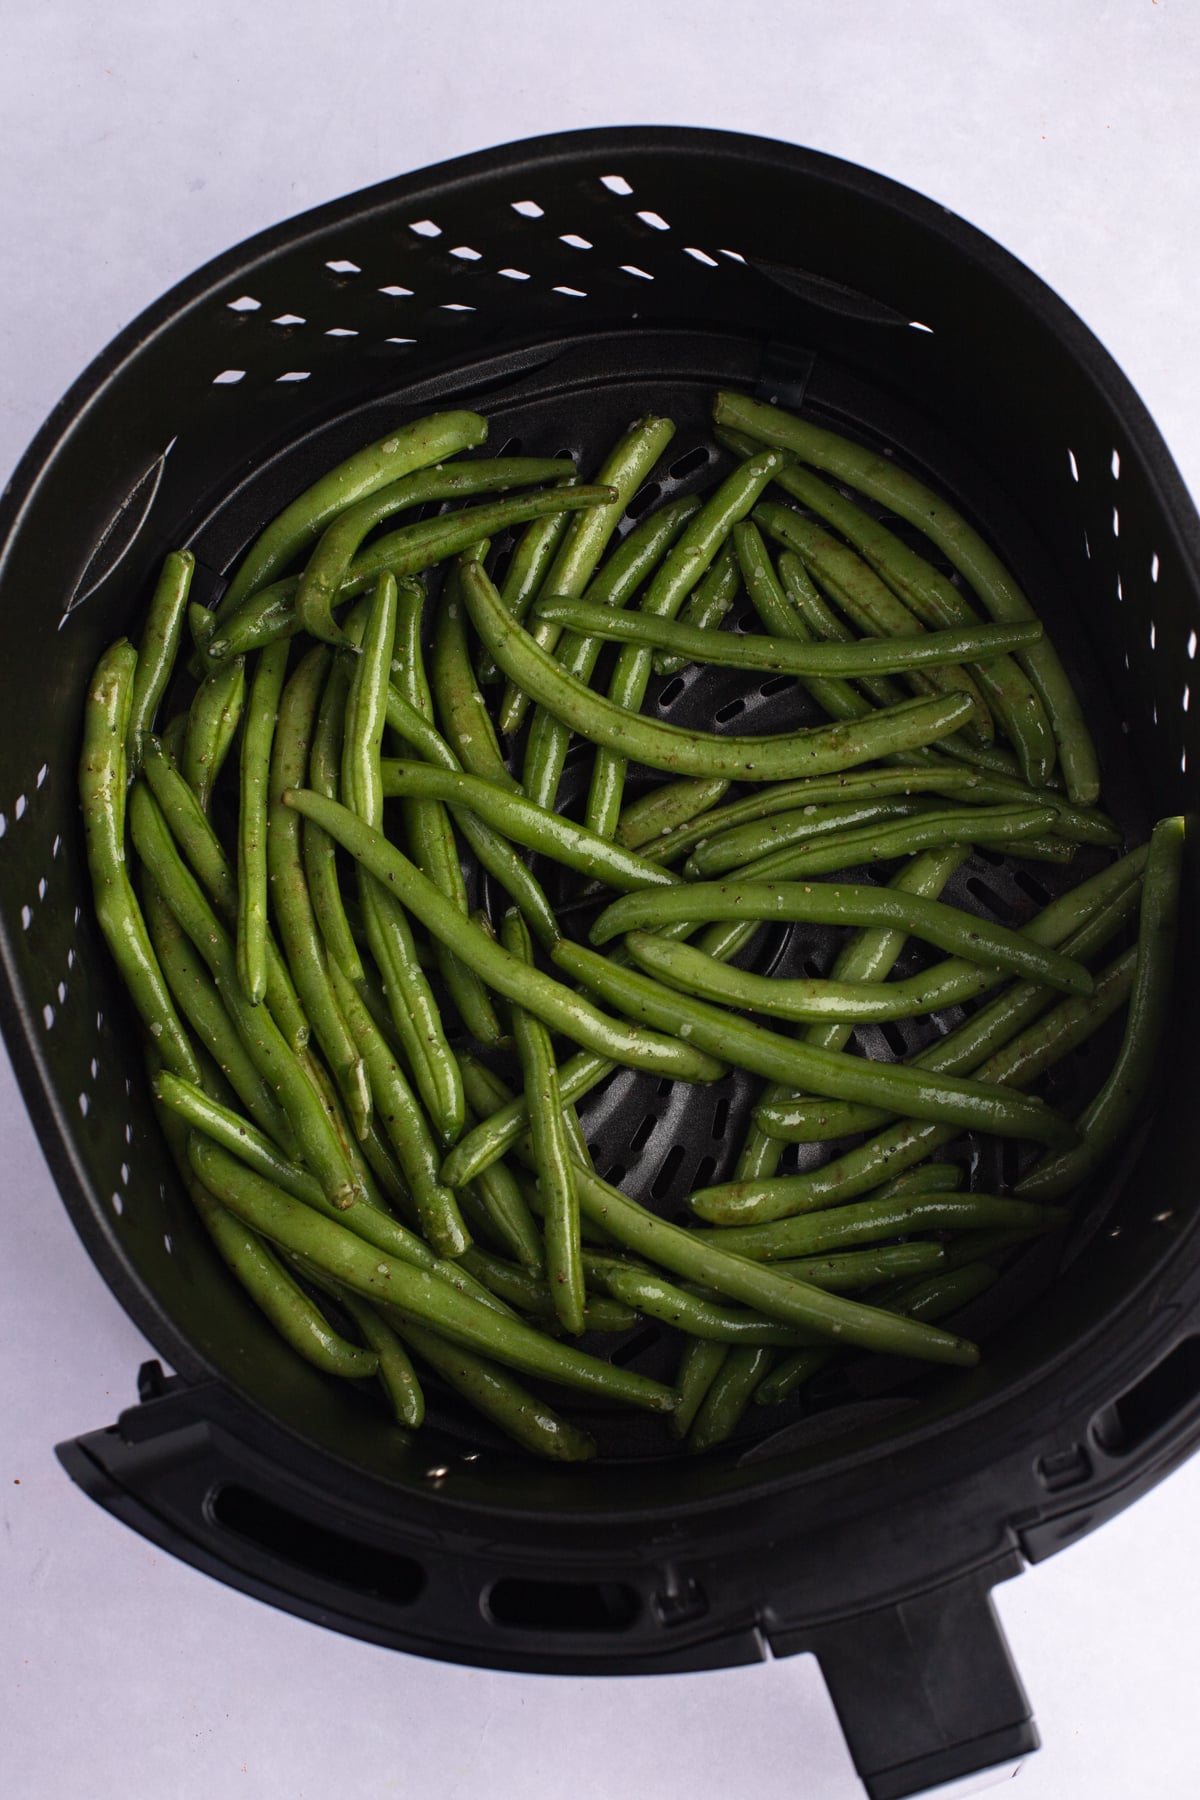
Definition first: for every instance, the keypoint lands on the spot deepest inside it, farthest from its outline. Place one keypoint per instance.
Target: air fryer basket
(563, 286)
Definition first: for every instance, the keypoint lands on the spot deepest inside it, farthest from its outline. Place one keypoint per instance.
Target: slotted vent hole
(700, 256)
(729, 711)
(1031, 886)
(706, 1168)
(644, 1133)
(643, 500)
(720, 1119)
(672, 691)
(654, 220)
(342, 265)
(776, 685)
(894, 1038)
(667, 1171)
(691, 460)
(616, 184)
(528, 209)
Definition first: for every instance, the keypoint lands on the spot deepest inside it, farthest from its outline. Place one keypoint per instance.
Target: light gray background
(136, 141)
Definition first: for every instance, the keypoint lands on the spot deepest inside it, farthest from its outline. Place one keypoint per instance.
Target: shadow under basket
(563, 287)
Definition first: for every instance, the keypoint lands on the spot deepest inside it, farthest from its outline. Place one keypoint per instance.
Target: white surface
(135, 142)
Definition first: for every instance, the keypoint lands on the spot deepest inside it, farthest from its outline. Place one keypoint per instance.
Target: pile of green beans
(321, 820)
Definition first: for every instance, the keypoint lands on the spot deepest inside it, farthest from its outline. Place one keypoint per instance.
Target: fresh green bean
(971, 1104)
(262, 710)
(320, 857)
(337, 1251)
(335, 549)
(627, 465)
(681, 752)
(663, 811)
(395, 1372)
(902, 1145)
(157, 651)
(540, 994)
(837, 903)
(699, 1257)
(778, 611)
(425, 441)
(508, 1123)
(725, 1403)
(784, 655)
(663, 1300)
(525, 822)
(492, 1391)
(102, 778)
(928, 594)
(213, 719)
(739, 845)
(823, 625)
(929, 1178)
(494, 851)
(531, 1293)
(698, 1368)
(880, 842)
(902, 493)
(1108, 1114)
(614, 586)
(943, 1295)
(192, 831)
(550, 1143)
(400, 1115)
(430, 834)
(268, 1049)
(707, 607)
(462, 713)
(196, 994)
(682, 567)
(868, 1221)
(850, 1269)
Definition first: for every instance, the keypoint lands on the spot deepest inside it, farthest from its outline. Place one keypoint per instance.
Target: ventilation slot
(329, 1556)
(563, 1605)
(1153, 1404)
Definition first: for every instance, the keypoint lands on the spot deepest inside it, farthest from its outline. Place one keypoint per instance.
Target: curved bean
(157, 650)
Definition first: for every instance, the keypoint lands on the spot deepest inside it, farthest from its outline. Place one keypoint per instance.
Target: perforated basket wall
(562, 287)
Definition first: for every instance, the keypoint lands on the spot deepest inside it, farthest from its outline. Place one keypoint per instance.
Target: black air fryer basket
(563, 287)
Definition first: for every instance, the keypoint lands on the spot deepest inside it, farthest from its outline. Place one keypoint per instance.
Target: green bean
(320, 857)
(663, 811)
(200, 1002)
(201, 624)
(407, 1129)
(271, 612)
(429, 831)
(540, 994)
(102, 778)
(823, 625)
(550, 1143)
(838, 698)
(1109, 1113)
(268, 1049)
(614, 586)
(525, 822)
(681, 569)
(625, 468)
(681, 752)
(213, 719)
(530, 1293)
(868, 1221)
(157, 650)
(261, 713)
(952, 1099)
(462, 713)
(699, 1257)
(849, 1269)
(731, 1392)
(784, 655)
(409, 447)
(945, 1294)
(803, 999)
(337, 1251)
(236, 1135)
(531, 558)
(880, 842)
(494, 852)
(327, 566)
(707, 607)
(660, 1299)
(869, 955)
(362, 740)
(395, 1372)
(900, 1146)
(495, 1135)
(192, 831)
(298, 1320)
(929, 1178)
(867, 601)
(959, 1051)
(493, 1392)
(739, 845)
(836, 903)
(823, 790)
(902, 493)
(699, 1365)
(928, 594)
